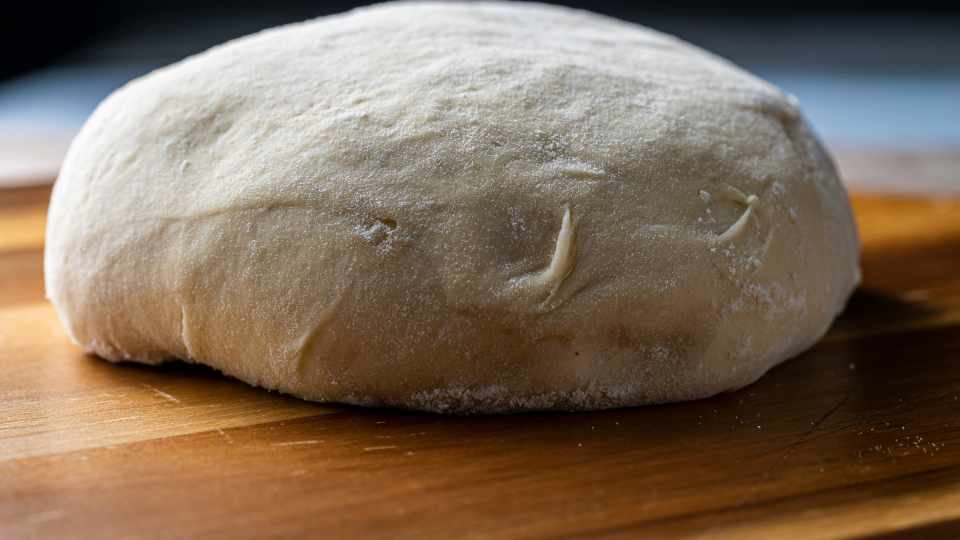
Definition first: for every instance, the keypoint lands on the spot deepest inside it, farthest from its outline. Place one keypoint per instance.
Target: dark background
(868, 74)
(38, 33)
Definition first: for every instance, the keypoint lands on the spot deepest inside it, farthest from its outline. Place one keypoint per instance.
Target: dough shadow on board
(869, 307)
(176, 373)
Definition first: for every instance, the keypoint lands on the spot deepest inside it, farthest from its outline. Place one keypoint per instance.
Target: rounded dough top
(453, 207)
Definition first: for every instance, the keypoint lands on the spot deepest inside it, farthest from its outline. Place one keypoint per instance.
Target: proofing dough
(453, 207)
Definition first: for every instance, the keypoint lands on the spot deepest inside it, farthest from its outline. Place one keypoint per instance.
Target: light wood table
(859, 437)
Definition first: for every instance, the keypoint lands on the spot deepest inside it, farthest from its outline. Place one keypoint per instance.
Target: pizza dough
(453, 207)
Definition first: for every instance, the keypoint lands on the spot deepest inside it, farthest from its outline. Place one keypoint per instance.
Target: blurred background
(879, 81)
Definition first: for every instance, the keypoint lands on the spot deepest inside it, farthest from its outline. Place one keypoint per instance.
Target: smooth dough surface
(453, 207)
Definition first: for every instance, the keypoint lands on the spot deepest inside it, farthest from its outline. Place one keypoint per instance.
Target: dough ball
(464, 208)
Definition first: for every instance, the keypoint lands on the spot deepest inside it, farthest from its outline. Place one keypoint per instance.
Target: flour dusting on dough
(529, 206)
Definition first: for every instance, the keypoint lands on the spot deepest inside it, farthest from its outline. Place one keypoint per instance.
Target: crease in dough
(184, 333)
(549, 280)
(734, 230)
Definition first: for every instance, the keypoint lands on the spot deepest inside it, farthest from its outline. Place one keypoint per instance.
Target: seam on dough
(254, 207)
(216, 212)
(762, 257)
(561, 263)
(309, 339)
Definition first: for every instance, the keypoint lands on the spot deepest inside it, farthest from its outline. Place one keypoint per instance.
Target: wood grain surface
(857, 438)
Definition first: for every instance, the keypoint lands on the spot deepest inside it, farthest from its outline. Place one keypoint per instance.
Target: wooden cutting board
(859, 437)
